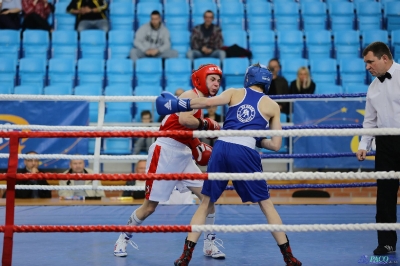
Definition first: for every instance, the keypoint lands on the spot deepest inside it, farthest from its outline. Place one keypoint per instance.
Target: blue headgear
(258, 75)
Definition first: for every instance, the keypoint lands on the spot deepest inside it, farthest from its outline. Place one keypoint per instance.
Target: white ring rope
(76, 157)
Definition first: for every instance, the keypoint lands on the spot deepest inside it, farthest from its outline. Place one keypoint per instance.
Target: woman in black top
(303, 84)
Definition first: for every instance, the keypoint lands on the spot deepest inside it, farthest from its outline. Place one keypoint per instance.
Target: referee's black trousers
(387, 159)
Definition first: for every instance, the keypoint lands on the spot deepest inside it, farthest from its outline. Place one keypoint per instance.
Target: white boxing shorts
(168, 156)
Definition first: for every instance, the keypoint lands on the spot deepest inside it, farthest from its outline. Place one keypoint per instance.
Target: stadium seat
(198, 9)
(35, 43)
(352, 72)
(369, 36)
(148, 71)
(325, 88)
(140, 106)
(32, 72)
(180, 41)
(62, 72)
(262, 43)
(369, 16)
(356, 88)
(291, 66)
(118, 111)
(27, 89)
(118, 117)
(144, 9)
(178, 71)
(341, 15)
(90, 90)
(234, 70)
(148, 90)
(395, 42)
(176, 15)
(118, 90)
(173, 88)
(314, 15)
(57, 90)
(120, 72)
(122, 15)
(259, 15)
(391, 14)
(232, 37)
(62, 19)
(346, 44)
(8, 71)
(205, 60)
(64, 44)
(117, 146)
(93, 44)
(324, 71)
(91, 71)
(318, 44)
(120, 43)
(231, 15)
(287, 15)
(290, 44)
(9, 44)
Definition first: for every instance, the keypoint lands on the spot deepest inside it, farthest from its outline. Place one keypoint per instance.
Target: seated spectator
(31, 166)
(90, 14)
(142, 145)
(10, 14)
(152, 40)
(78, 167)
(279, 84)
(206, 39)
(36, 13)
(303, 83)
(177, 93)
(140, 168)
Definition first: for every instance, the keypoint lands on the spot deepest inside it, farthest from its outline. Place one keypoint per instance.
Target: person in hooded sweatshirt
(152, 40)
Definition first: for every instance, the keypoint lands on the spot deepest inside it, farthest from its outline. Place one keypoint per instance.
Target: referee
(382, 110)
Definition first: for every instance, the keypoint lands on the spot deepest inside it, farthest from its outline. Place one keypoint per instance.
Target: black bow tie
(387, 75)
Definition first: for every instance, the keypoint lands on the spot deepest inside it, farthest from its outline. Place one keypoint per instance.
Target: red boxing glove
(201, 151)
(208, 124)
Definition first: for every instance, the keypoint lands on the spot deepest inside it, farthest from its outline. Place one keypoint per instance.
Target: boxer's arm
(274, 144)
(203, 102)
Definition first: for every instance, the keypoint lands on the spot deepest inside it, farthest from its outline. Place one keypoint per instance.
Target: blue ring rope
(341, 185)
(317, 96)
(311, 155)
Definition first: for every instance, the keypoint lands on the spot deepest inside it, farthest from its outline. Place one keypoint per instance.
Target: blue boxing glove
(168, 103)
(258, 141)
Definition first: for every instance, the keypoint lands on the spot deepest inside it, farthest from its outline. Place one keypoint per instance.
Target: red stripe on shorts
(152, 169)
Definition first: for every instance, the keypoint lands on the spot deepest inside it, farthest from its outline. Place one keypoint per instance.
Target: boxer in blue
(249, 109)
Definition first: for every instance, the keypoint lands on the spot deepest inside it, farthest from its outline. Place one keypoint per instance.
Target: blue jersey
(245, 115)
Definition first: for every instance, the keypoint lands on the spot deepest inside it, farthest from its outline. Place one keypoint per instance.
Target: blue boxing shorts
(229, 157)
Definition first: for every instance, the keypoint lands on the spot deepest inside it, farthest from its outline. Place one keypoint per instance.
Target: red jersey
(171, 122)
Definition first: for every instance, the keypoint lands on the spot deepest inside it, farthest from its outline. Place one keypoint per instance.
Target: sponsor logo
(386, 259)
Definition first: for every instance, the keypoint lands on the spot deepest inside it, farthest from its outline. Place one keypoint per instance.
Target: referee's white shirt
(382, 109)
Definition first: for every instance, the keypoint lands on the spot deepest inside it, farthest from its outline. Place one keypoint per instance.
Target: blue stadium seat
(120, 72)
(352, 72)
(324, 71)
(62, 19)
(318, 44)
(178, 71)
(62, 72)
(395, 42)
(35, 43)
(287, 16)
(290, 44)
(291, 66)
(120, 43)
(144, 9)
(90, 90)
(232, 37)
(27, 89)
(341, 15)
(117, 146)
(369, 36)
(262, 43)
(198, 9)
(326, 88)
(118, 117)
(9, 43)
(148, 90)
(205, 60)
(346, 44)
(148, 71)
(234, 70)
(57, 90)
(231, 15)
(118, 111)
(122, 15)
(314, 15)
(91, 144)
(172, 89)
(176, 15)
(140, 106)
(32, 72)
(356, 88)
(91, 71)
(369, 16)
(259, 15)
(180, 41)
(8, 71)
(93, 43)
(118, 90)
(64, 44)
(391, 13)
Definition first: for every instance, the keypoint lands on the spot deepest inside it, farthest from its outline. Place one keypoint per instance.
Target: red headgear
(199, 77)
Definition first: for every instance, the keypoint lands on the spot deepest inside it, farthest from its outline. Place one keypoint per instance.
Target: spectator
(36, 13)
(212, 113)
(78, 167)
(31, 166)
(152, 40)
(206, 39)
(142, 144)
(279, 84)
(178, 92)
(140, 168)
(10, 14)
(303, 83)
(90, 14)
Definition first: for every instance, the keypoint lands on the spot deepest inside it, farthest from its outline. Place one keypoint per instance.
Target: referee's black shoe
(382, 250)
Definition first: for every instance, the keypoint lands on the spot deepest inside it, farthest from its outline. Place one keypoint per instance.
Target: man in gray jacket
(152, 40)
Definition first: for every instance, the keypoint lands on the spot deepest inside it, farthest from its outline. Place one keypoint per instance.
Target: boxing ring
(319, 235)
